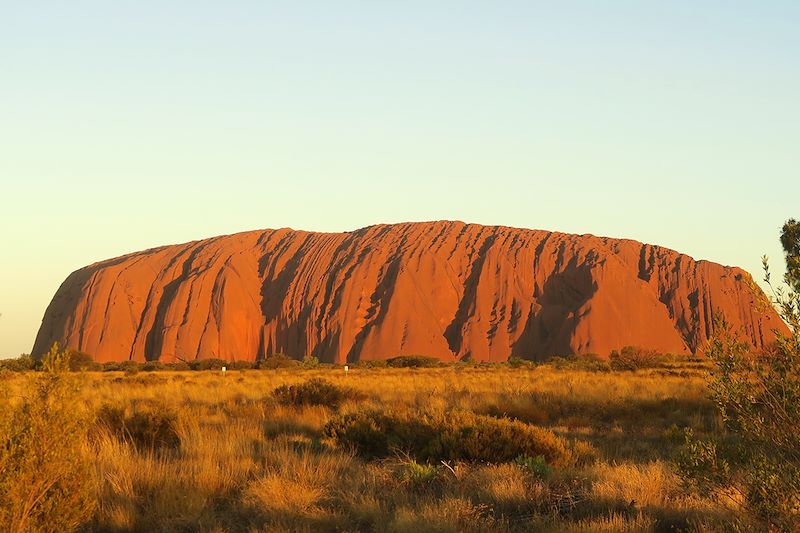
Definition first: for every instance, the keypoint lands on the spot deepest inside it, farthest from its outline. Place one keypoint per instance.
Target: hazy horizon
(127, 127)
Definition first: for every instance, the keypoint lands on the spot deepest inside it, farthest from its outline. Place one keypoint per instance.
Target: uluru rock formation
(446, 289)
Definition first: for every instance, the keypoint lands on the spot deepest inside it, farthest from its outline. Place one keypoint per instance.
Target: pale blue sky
(125, 125)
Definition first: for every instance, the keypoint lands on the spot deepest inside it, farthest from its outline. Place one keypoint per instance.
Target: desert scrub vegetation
(577, 450)
(413, 361)
(45, 470)
(571, 445)
(315, 391)
(633, 358)
(625, 359)
(151, 427)
(642, 442)
(454, 436)
(754, 462)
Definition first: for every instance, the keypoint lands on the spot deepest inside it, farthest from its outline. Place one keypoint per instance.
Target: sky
(130, 124)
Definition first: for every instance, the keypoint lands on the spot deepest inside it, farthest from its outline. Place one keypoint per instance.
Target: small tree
(634, 358)
(309, 361)
(45, 473)
(80, 361)
(759, 400)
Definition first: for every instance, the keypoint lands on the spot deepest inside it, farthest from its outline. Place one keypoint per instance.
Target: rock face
(447, 289)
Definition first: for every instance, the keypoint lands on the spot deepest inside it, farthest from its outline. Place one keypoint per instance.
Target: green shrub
(208, 364)
(591, 362)
(45, 470)
(22, 363)
(535, 465)
(126, 366)
(634, 358)
(310, 361)
(758, 398)
(517, 362)
(417, 474)
(277, 360)
(588, 362)
(461, 435)
(413, 361)
(315, 392)
(177, 366)
(152, 366)
(152, 428)
(758, 454)
(559, 361)
(81, 361)
(241, 365)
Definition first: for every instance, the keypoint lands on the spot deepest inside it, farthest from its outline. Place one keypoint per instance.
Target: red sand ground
(446, 289)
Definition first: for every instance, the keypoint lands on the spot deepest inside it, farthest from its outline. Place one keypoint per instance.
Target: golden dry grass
(248, 463)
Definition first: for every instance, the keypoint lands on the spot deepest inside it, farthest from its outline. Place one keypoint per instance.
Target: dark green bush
(81, 361)
(461, 435)
(153, 366)
(315, 392)
(150, 428)
(240, 365)
(22, 363)
(591, 362)
(208, 364)
(516, 362)
(277, 360)
(413, 361)
(588, 362)
(121, 366)
(310, 361)
(634, 358)
(178, 365)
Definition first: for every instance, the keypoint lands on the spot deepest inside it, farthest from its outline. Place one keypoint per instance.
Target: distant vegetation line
(628, 358)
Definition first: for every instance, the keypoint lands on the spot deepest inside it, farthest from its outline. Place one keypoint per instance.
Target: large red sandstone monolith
(445, 289)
